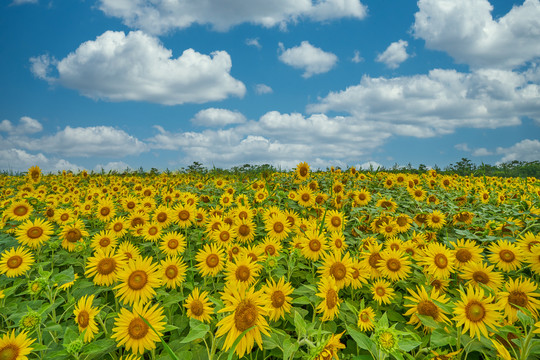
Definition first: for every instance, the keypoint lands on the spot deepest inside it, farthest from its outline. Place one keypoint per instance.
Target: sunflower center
(303, 172)
(374, 259)
(137, 329)
(364, 317)
(441, 261)
(428, 308)
(212, 260)
(355, 273)
(73, 235)
(137, 280)
(172, 244)
(183, 215)
(481, 277)
(224, 236)
(83, 319)
(278, 299)
(435, 219)
(338, 243)
(243, 230)
(171, 272)
(196, 307)
(314, 245)
(475, 311)
(34, 232)
(105, 211)
(507, 255)
(118, 227)
(245, 315)
(380, 291)
(20, 210)
(401, 221)
(242, 215)
(463, 255)
(336, 221)
(388, 229)
(106, 266)
(50, 212)
(104, 242)
(161, 217)
(242, 273)
(9, 352)
(386, 204)
(64, 217)
(393, 265)
(305, 197)
(14, 262)
(518, 298)
(278, 227)
(338, 271)
(270, 250)
(137, 221)
(331, 298)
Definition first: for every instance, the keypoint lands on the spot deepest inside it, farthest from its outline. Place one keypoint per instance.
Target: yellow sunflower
(337, 267)
(314, 245)
(438, 261)
(105, 239)
(173, 271)
(33, 233)
(360, 275)
(104, 266)
(15, 262)
(128, 250)
(387, 204)
(242, 272)
(245, 230)
(173, 243)
(278, 227)
(520, 292)
(118, 225)
(247, 309)
(370, 259)
(481, 273)
(19, 210)
(337, 242)
(138, 281)
(64, 216)
(382, 291)
(403, 222)
(210, 260)
(85, 315)
(105, 210)
(15, 347)
(475, 312)
(533, 259)
(334, 221)
(467, 252)
(132, 331)
(528, 241)
(305, 197)
(199, 306)
(34, 174)
(361, 197)
(163, 216)
(223, 234)
(72, 234)
(365, 319)
(425, 304)
(394, 264)
(329, 305)
(505, 255)
(184, 215)
(270, 247)
(278, 296)
(436, 220)
(331, 348)
(302, 171)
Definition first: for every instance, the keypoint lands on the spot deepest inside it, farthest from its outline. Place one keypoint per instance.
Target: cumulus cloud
(466, 30)
(19, 160)
(311, 59)
(20, 2)
(26, 125)
(357, 58)
(254, 42)
(136, 67)
(394, 55)
(439, 102)
(525, 150)
(160, 16)
(462, 147)
(213, 117)
(481, 152)
(118, 166)
(263, 89)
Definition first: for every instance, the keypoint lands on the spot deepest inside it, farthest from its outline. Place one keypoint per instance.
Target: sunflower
(105, 210)
(245, 230)
(359, 275)
(436, 220)
(389, 229)
(73, 234)
(242, 272)
(15, 347)
(328, 291)
(118, 225)
(105, 239)
(337, 267)
(302, 171)
(104, 266)
(314, 245)
(199, 306)
(278, 227)
(370, 259)
(278, 296)
(382, 291)
(271, 247)
(247, 309)
(418, 194)
(128, 250)
(361, 197)
(130, 203)
(134, 333)
(462, 218)
(163, 216)
(467, 252)
(528, 241)
(34, 233)
(34, 174)
(213, 222)
(476, 312)
(173, 271)
(137, 219)
(480, 273)
(85, 315)
(387, 204)
(223, 234)
(173, 243)
(152, 231)
(15, 262)
(64, 216)
(210, 260)
(426, 305)
(438, 261)
(505, 256)
(305, 197)
(331, 348)
(403, 222)
(138, 280)
(533, 259)
(393, 243)
(502, 351)
(19, 210)
(520, 292)
(394, 264)
(365, 319)
(334, 221)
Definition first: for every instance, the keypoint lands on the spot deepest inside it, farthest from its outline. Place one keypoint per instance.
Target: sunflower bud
(30, 321)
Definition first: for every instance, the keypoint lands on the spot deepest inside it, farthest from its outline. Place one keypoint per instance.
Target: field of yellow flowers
(337, 264)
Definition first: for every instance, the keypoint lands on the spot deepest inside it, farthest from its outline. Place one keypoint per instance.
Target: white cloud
(311, 59)
(369, 165)
(213, 117)
(20, 2)
(439, 102)
(394, 55)
(462, 147)
(119, 67)
(525, 150)
(481, 152)
(254, 42)
(263, 89)
(19, 160)
(466, 30)
(118, 166)
(26, 125)
(160, 16)
(357, 58)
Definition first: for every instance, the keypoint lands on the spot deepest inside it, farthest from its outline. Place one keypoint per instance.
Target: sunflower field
(337, 264)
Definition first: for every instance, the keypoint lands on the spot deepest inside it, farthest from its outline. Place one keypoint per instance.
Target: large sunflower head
(480, 273)
(16, 261)
(173, 243)
(314, 244)
(15, 347)
(438, 260)
(278, 296)
(242, 271)
(85, 315)
(210, 260)
(425, 304)
(173, 271)
(138, 280)
(199, 306)
(394, 264)
(104, 265)
(19, 210)
(519, 292)
(33, 233)
(330, 303)
(505, 255)
(72, 234)
(382, 291)
(337, 267)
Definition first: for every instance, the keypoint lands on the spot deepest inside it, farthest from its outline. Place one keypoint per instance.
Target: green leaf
(299, 324)
(197, 331)
(525, 319)
(383, 321)
(236, 342)
(407, 345)
(428, 321)
(99, 347)
(361, 339)
(289, 348)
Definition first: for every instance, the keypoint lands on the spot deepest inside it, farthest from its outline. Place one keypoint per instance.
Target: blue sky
(153, 83)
